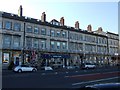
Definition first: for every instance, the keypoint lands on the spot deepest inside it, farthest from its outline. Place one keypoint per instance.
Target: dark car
(106, 86)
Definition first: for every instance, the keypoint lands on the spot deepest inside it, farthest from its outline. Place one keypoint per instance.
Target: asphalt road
(59, 79)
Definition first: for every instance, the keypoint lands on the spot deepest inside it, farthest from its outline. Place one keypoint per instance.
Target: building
(29, 40)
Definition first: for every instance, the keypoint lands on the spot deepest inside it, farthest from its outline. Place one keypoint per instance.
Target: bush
(11, 65)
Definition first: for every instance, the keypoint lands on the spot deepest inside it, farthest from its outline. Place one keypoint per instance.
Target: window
(6, 57)
(70, 36)
(81, 37)
(16, 41)
(80, 47)
(0, 24)
(36, 30)
(7, 40)
(94, 48)
(17, 26)
(52, 33)
(29, 29)
(43, 31)
(58, 45)
(64, 34)
(35, 43)
(88, 48)
(8, 25)
(52, 44)
(58, 34)
(29, 42)
(64, 45)
(43, 44)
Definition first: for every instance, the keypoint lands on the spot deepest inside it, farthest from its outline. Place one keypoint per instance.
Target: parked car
(105, 86)
(57, 65)
(72, 67)
(47, 68)
(88, 66)
(24, 68)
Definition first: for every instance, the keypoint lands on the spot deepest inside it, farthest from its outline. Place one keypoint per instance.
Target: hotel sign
(55, 56)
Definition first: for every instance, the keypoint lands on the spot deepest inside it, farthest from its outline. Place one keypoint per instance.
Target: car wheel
(87, 67)
(34, 70)
(19, 70)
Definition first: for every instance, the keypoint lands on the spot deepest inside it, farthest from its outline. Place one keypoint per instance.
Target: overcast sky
(98, 14)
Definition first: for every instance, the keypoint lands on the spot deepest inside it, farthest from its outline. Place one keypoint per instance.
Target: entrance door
(17, 61)
(65, 62)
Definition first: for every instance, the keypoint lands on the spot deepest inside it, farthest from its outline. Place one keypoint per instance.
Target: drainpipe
(108, 51)
(23, 51)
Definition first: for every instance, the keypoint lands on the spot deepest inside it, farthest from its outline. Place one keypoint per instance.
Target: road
(59, 79)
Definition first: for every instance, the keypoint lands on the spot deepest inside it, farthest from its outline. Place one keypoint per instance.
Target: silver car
(24, 68)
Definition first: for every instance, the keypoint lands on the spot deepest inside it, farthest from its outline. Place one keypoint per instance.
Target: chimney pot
(89, 28)
(43, 17)
(20, 11)
(100, 29)
(77, 25)
(62, 21)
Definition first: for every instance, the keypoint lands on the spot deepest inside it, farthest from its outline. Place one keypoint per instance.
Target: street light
(23, 52)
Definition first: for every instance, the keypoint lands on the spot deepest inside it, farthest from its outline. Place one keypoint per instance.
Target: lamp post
(23, 49)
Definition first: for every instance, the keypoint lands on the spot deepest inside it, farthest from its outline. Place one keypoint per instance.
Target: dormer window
(55, 22)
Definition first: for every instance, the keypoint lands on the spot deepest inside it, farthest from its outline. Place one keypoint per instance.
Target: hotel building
(29, 40)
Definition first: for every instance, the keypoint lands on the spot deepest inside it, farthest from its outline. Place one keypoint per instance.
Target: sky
(99, 14)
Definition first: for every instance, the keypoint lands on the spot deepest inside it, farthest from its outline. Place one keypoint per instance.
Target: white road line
(94, 81)
(76, 71)
(66, 72)
(43, 74)
(90, 74)
(56, 72)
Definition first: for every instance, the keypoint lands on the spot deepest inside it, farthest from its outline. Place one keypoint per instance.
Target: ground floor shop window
(6, 57)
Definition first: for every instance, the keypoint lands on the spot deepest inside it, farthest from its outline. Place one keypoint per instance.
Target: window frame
(52, 44)
(8, 25)
(1, 24)
(52, 33)
(58, 35)
(29, 29)
(43, 33)
(36, 43)
(18, 41)
(18, 26)
(36, 28)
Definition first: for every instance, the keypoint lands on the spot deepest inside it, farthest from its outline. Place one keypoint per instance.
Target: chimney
(100, 29)
(43, 17)
(62, 21)
(77, 25)
(89, 28)
(20, 11)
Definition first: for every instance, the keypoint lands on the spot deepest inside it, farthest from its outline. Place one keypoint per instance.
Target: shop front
(55, 60)
(9, 56)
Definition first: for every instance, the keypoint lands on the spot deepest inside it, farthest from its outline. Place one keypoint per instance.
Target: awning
(55, 56)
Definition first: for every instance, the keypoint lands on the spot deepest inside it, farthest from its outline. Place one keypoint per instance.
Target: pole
(23, 54)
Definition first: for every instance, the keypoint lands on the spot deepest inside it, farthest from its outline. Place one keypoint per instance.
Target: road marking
(66, 72)
(94, 81)
(76, 71)
(56, 72)
(90, 74)
(43, 74)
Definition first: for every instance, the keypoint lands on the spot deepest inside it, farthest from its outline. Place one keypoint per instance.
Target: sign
(54, 56)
